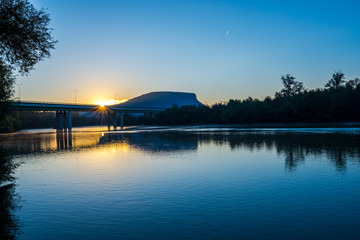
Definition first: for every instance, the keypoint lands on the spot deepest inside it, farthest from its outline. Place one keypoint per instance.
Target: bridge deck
(63, 111)
(48, 106)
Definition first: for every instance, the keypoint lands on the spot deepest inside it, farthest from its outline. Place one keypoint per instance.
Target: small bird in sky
(227, 32)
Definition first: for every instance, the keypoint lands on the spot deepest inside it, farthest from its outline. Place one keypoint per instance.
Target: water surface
(184, 183)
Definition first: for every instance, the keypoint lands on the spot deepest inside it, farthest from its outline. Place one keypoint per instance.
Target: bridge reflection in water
(63, 139)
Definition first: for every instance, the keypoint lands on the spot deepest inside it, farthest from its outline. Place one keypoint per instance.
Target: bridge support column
(114, 118)
(59, 116)
(65, 120)
(121, 121)
(69, 121)
(57, 120)
(108, 120)
(61, 122)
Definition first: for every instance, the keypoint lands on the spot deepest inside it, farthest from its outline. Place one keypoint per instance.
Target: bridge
(63, 111)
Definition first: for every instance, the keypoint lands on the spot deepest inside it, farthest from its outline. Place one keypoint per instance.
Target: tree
(336, 81)
(25, 39)
(6, 82)
(6, 88)
(353, 83)
(291, 87)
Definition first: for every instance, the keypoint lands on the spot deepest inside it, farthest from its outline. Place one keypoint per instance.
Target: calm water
(182, 183)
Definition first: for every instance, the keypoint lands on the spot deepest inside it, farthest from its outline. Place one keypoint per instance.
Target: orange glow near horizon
(103, 103)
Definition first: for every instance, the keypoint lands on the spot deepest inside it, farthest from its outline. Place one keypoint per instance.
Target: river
(181, 183)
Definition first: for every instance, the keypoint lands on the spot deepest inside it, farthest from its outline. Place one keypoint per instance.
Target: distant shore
(102, 128)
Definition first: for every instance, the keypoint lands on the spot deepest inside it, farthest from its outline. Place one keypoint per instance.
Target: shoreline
(103, 128)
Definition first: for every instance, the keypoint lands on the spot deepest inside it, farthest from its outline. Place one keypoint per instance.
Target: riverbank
(205, 127)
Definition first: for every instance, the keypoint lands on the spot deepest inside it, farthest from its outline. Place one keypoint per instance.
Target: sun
(104, 103)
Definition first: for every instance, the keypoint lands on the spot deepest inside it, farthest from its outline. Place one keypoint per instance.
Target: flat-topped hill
(161, 100)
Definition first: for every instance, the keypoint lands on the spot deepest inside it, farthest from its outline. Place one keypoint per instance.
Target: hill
(162, 100)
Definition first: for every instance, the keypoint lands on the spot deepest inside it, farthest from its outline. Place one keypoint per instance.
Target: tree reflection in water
(293, 147)
(296, 147)
(9, 200)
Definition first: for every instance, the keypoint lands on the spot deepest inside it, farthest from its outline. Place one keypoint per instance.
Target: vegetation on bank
(338, 101)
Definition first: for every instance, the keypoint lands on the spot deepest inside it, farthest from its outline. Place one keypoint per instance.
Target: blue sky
(216, 49)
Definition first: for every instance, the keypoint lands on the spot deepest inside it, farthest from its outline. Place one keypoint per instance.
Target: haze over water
(185, 183)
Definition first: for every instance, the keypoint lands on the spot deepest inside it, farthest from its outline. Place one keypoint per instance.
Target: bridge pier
(121, 121)
(69, 121)
(108, 120)
(59, 120)
(114, 118)
(63, 120)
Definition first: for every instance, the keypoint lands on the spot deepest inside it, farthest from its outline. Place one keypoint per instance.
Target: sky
(219, 50)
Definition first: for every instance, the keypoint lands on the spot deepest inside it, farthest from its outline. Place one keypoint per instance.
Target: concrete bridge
(63, 111)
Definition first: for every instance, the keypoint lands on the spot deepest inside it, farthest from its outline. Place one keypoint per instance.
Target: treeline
(338, 101)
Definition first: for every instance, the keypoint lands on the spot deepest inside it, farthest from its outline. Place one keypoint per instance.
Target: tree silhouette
(353, 83)
(6, 82)
(25, 36)
(336, 81)
(291, 87)
(25, 39)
